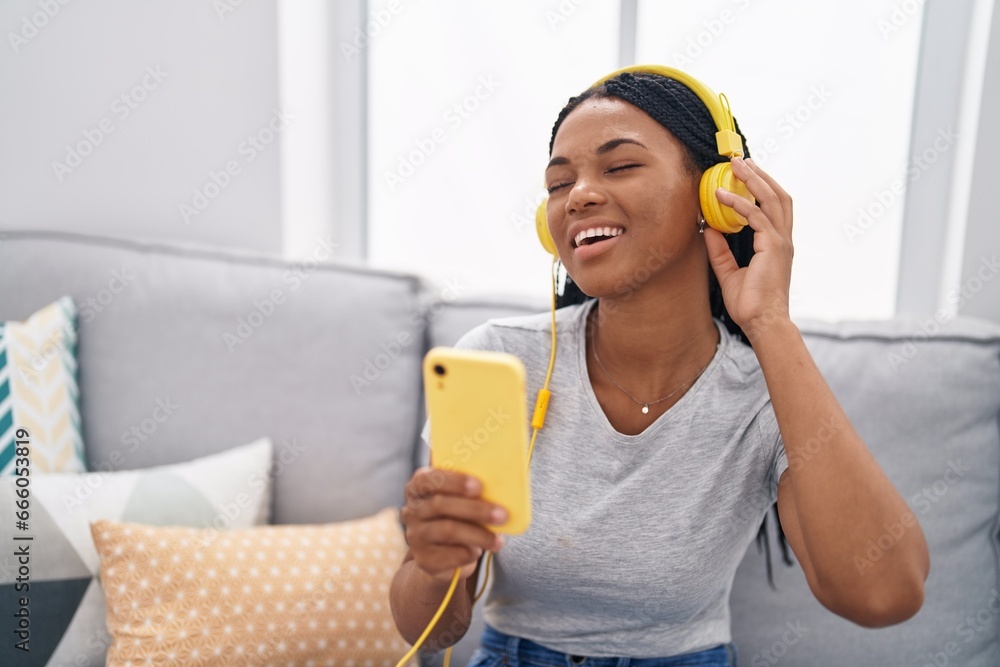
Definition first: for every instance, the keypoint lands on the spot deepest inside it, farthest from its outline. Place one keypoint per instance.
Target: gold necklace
(645, 405)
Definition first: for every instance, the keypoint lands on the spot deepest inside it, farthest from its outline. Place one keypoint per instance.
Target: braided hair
(678, 109)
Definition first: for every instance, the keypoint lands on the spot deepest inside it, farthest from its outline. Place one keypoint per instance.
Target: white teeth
(597, 231)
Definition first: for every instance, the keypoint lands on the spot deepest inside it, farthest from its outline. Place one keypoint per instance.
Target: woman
(685, 404)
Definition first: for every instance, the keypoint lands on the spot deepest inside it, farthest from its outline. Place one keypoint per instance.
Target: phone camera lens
(439, 369)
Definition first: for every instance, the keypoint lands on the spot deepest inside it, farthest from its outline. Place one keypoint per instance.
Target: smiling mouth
(596, 236)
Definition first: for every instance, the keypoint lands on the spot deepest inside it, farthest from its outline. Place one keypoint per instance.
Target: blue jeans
(499, 649)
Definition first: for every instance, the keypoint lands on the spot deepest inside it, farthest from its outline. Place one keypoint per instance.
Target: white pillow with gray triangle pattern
(58, 592)
(39, 391)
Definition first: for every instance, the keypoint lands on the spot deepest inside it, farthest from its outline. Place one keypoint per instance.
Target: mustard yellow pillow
(291, 595)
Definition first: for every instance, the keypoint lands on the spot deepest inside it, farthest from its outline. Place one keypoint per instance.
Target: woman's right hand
(445, 522)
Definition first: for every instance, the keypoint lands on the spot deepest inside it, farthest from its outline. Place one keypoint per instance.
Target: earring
(701, 226)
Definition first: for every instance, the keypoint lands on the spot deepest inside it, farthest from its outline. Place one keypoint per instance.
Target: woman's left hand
(756, 295)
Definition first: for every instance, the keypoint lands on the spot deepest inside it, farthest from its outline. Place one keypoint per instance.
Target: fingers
(440, 546)
(428, 481)
(720, 255)
(434, 486)
(433, 493)
(756, 217)
(450, 532)
(784, 199)
(767, 199)
(453, 507)
(446, 522)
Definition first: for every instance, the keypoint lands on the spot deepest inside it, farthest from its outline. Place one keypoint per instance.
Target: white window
(462, 99)
(463, 95)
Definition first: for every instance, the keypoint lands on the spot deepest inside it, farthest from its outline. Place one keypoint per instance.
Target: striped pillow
(39, 391)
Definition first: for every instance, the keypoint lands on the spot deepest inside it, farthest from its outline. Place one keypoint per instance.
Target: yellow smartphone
(479, 425)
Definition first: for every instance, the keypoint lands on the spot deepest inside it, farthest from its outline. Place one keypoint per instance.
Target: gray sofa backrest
(324, 359)
(927, 406)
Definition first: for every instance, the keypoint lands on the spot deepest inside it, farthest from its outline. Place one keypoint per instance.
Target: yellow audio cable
(537, 421)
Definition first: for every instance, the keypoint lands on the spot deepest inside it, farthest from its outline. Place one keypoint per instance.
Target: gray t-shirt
(635, 539)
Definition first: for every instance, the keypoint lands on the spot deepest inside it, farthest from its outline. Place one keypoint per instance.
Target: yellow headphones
(730, 144)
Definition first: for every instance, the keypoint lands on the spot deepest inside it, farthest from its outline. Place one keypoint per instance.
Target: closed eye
(613, 169)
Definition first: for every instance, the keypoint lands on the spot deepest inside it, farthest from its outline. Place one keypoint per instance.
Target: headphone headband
(727, 139)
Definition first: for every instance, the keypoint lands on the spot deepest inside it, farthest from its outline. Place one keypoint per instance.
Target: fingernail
(498, 515)
(498, 542)
(472, 485)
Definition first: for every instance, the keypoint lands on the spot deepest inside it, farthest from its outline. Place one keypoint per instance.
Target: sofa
(331, 364)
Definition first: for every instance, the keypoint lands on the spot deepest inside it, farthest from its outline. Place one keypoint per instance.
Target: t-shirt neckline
(680, 407)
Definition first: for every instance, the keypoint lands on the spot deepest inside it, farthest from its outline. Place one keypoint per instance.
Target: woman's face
(614, 166)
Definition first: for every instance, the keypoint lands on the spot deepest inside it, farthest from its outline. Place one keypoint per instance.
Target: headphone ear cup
(542, 227)
(718, 216)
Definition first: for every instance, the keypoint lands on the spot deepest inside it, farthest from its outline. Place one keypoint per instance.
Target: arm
(834, 500)
(414, 598)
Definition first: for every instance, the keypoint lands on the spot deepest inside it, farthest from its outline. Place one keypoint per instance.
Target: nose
(582, 195)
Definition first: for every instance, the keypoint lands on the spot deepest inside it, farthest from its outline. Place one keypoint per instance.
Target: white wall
(217, 86)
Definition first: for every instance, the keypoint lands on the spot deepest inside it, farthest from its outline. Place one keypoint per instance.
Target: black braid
(677, 108)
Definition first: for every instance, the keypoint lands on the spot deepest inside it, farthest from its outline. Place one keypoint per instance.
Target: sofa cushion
(187, 350)
(449, 321)
(297, 595)
(64, 599)
(925, 397)
(39, 391)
